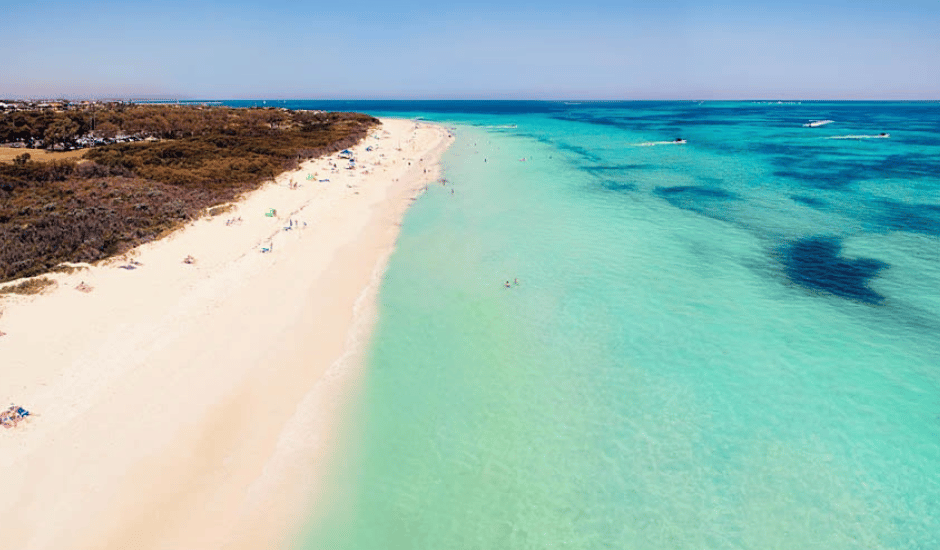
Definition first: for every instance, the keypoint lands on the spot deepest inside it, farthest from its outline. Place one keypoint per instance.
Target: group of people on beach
(13, 416)
(291, 224)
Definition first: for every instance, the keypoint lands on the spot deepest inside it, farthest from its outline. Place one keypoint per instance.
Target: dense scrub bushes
(84, 220)
(123, 194)
(166, 122)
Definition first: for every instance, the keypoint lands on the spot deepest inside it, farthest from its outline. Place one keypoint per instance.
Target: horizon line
(132, 99)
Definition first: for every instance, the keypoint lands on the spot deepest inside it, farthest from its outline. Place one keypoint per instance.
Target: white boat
(817, 123)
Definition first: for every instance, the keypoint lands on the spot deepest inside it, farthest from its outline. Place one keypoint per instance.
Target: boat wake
(652, 143)
(877, 136)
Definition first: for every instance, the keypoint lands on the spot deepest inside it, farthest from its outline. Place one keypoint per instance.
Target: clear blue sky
(481, 49)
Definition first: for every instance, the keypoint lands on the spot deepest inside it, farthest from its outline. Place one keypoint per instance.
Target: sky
(484, 49)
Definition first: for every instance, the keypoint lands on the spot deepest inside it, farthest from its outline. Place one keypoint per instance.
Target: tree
(63, 130)
(107, 130)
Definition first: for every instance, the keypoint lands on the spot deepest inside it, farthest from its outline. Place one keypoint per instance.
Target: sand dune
(186, 405)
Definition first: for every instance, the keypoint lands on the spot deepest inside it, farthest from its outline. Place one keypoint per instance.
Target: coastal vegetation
(149, 169)
(34, 285)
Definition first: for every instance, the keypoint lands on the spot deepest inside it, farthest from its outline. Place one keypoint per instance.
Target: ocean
(727, 343)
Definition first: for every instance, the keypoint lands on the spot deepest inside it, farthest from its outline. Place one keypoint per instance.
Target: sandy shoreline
(185, 405)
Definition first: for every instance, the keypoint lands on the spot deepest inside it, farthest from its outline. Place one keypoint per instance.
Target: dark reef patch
(837, 174)
(916, 218)
(612, 185)
(788, 151)
(693, 192)
(586, 118)
(703, 200)
(815, 263)
(578, 150)
(808, 201)
(820, 179)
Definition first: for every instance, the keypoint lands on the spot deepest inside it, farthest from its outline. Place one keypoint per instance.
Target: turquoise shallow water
(730, 343)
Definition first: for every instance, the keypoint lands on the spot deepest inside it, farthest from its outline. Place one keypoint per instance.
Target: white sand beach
(188, 405)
